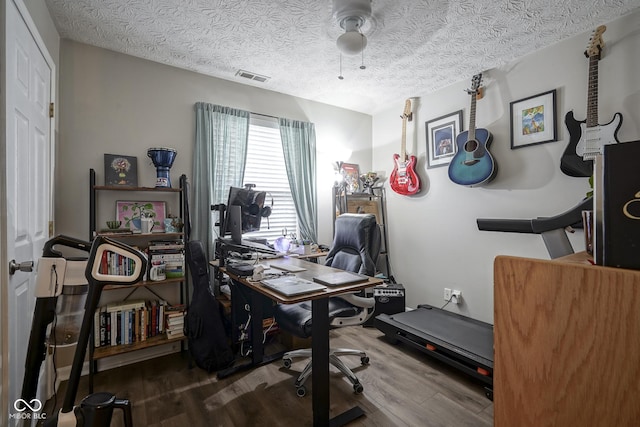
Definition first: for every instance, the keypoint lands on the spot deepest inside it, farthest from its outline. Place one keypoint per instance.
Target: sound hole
(471, 146)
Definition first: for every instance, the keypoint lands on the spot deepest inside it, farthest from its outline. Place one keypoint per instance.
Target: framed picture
(351, 174)
(441, 138)
(120, 170)
(130, 213)
(533, 120)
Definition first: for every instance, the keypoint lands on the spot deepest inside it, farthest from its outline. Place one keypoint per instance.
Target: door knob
(26, 266)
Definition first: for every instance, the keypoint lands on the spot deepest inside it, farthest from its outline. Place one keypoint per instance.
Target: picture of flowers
(120, 170)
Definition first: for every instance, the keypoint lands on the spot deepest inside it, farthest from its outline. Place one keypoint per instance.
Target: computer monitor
(244, 213)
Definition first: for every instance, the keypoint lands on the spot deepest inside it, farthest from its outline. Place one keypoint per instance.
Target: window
(265, 168)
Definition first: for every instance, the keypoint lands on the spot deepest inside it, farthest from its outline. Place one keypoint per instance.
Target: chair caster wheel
(364, 360)
(286, 363)
(301, 391)
(357, 388)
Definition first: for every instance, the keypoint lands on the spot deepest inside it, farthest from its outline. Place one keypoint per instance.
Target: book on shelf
(174, 263)
(166, 245)
(116, 265)
(128, 322)
(115, 231)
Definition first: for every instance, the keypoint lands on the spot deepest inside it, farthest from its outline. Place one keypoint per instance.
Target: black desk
(320, 333)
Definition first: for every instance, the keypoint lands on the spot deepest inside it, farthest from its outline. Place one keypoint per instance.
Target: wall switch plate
(447, 294)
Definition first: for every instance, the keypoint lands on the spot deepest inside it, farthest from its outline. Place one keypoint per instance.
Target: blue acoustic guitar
(473, 165)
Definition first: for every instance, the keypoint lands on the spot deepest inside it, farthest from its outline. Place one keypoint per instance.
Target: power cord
(448, 301)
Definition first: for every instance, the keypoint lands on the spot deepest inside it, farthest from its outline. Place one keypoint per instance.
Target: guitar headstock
(475, 84)
(596, 44)
(407, 114)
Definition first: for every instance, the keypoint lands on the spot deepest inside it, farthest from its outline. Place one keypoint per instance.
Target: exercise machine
(56, 278)
(463, 342)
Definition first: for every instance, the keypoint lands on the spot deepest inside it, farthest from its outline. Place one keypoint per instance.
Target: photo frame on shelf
(130, 213)
(441, 138)
(120, 170)
(351, 174)
(533, 120)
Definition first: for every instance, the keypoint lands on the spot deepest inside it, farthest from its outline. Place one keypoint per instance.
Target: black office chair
(355, 248)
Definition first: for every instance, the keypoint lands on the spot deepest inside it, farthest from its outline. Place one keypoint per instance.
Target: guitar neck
(592, 92)
(403, 148)
(472, 118)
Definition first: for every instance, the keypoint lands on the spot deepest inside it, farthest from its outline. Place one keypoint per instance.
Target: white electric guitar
(593, 137)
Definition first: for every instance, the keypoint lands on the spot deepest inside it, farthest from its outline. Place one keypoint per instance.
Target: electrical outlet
(456, 296)
(447, 294)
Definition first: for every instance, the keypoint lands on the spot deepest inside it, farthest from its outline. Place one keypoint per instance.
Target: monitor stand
(234, 213)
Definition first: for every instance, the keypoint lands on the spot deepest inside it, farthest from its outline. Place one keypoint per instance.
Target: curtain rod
(264, 115)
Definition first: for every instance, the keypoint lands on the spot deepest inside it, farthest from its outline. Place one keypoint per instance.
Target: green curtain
(299, 147)
(218, 163)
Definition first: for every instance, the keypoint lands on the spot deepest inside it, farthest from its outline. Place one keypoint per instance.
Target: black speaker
(390, 299)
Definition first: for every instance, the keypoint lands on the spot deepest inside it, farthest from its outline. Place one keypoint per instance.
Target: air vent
(252, 76)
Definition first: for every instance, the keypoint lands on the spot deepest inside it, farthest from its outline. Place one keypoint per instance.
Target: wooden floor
(402, 387)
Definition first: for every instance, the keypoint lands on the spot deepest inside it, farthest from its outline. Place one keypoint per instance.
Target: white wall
(434, 240)
(119, 104)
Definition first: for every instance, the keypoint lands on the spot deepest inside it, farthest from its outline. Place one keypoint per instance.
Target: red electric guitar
(404, 179)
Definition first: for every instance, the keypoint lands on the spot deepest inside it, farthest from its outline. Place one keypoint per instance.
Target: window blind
(265, 168)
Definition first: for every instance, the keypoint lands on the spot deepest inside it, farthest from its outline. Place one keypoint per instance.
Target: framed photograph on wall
(533, 120)
(130, 212)
(441, 138)
(120, 170)
(351, 174)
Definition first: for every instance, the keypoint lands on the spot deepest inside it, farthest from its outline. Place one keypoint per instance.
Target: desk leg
(320, 361)
(257, 346)
(320, 369)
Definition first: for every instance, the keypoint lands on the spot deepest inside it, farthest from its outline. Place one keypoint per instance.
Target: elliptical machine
(54, 273)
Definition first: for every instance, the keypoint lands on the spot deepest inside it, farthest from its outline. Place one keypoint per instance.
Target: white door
(28, 181)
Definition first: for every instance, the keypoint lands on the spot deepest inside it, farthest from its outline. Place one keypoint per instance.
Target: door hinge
(50, 228)
(51, 110)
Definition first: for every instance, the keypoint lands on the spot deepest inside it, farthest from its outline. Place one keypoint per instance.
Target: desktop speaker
(389, 300)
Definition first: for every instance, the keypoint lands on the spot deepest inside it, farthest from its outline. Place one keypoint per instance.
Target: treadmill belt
(460, 332)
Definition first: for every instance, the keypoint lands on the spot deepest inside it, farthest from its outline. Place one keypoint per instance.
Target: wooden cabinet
(101, 209)
(567, 343)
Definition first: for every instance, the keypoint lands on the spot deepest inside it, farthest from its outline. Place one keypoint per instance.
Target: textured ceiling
(415, 46)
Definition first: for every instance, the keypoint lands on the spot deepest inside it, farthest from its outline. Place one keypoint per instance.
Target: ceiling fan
(352, 15)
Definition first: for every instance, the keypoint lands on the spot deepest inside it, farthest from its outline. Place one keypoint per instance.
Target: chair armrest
(367, 304)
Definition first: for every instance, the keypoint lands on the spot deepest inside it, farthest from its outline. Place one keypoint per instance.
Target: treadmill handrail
(537, 225)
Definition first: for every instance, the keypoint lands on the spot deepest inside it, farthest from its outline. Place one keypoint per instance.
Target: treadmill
(463, 342)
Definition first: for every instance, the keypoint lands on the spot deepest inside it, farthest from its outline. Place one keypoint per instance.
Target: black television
(244, 212)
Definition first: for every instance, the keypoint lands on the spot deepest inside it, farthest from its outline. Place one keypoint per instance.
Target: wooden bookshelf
(125, 188)
(146, 283)
(112, 350)
(175, 197)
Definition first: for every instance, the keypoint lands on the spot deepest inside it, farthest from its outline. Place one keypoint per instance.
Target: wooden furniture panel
(566, 342)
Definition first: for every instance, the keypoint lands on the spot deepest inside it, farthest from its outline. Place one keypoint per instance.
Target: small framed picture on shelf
(533, 120)
(351, 174)
(120, 170)
(131, 214)
(441, 138)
